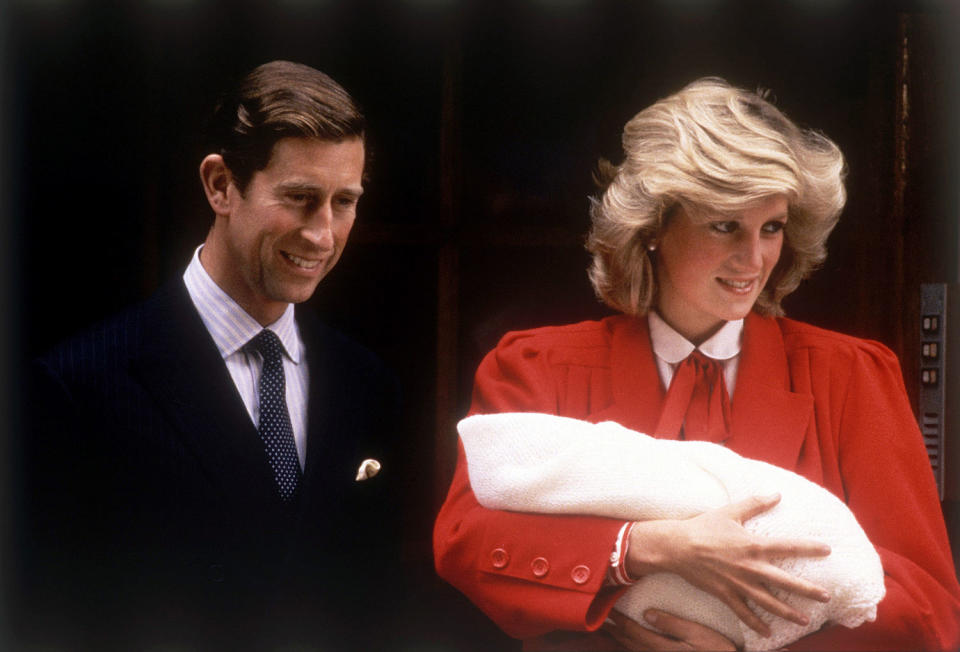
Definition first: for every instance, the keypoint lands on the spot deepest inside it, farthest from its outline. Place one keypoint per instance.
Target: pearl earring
(652, 246)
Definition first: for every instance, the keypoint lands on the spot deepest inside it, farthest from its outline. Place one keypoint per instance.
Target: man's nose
(319, 228)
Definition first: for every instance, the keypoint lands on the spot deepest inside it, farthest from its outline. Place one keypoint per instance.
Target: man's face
(288, 229)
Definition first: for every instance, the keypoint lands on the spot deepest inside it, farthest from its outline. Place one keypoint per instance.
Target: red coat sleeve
(889, 486)
(530, 573)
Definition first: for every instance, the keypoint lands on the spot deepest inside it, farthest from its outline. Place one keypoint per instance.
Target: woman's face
(711, 268)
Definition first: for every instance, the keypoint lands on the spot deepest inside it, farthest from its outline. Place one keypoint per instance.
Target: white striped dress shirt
(231, 328)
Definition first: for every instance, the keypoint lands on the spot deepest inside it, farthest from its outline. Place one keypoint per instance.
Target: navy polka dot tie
(275, 429)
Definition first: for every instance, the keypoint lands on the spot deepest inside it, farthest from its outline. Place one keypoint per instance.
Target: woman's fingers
(754, 506)
(634, 636)
(714, 552)
(763, 598)
(677, 633)
(748, 508)
(756, 589)
(737, 604)
(792, 548)
(776, 577)
(696, 635)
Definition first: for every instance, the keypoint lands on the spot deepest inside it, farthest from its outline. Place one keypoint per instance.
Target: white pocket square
(368, 469)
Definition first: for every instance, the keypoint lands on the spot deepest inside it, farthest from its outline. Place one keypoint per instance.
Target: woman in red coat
(720, 208)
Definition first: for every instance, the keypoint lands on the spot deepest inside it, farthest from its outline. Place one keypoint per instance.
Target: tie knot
(703, 361)
(268, 344)
(697, 405)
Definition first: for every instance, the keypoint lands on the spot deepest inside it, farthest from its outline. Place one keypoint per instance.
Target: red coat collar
(769, 420)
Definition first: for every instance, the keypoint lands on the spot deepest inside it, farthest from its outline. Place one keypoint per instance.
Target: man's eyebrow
(298, 186)
(353, 191)
(307, 187)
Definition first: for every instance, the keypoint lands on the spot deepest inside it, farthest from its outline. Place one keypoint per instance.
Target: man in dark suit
(210, 469)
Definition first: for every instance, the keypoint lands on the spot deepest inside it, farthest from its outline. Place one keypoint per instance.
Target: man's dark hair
(278, 100)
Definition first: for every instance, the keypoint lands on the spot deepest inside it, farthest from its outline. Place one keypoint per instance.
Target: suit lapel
(327, 470)
(182, 368)
(769, 421)
(637, 391)
(320, 425)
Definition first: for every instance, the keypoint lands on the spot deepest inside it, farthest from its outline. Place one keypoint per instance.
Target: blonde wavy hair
(711, 148)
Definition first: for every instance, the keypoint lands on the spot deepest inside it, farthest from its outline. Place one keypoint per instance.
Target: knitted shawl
(531, 462)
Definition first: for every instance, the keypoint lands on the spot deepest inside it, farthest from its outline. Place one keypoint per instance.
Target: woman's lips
(739, 286)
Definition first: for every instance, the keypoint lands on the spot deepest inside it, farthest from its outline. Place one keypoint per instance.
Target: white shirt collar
(672, 347)
(230, 326)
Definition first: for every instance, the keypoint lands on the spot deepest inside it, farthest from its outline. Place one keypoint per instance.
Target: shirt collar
(672, 347)
(230, 326)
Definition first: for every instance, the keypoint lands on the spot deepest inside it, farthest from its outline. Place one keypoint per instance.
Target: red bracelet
(618, 558)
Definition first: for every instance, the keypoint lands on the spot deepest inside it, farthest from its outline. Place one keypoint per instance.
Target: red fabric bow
(697, 402)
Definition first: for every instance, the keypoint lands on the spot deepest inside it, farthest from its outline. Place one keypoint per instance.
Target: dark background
(487, 118)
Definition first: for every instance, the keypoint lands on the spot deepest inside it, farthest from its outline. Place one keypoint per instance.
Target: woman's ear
(216, 179)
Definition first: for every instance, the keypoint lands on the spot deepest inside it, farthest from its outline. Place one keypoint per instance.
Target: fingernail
(650, 617)
(824, 597)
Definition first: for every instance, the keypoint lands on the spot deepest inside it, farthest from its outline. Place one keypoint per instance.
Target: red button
(540, 566)
(580, 574)
(499, 557)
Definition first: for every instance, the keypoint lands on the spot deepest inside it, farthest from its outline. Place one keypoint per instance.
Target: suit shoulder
(584, 333)
(104, 344)
(803, 338)
(583, 343)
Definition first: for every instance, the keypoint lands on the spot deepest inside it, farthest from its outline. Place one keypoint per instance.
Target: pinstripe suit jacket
(147, 511)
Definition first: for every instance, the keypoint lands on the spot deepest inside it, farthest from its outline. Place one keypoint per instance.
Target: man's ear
(216, 179)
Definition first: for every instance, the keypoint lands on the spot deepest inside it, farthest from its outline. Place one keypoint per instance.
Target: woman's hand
(677, 633)
(715, 553)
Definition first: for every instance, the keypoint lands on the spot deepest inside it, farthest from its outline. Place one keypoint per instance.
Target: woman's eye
(774, 227)
(724, 227)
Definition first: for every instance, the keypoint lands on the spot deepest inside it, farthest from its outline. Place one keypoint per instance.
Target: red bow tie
(697, 402)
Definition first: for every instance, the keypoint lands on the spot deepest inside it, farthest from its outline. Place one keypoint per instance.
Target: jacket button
(580, 574)
(540, 566)
(499, 557)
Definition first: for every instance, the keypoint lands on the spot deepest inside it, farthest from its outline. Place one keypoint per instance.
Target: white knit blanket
(542, 463)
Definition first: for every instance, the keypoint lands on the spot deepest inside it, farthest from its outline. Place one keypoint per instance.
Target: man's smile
(302, 263)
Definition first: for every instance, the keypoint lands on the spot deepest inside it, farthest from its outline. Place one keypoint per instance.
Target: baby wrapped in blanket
(542, 463)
